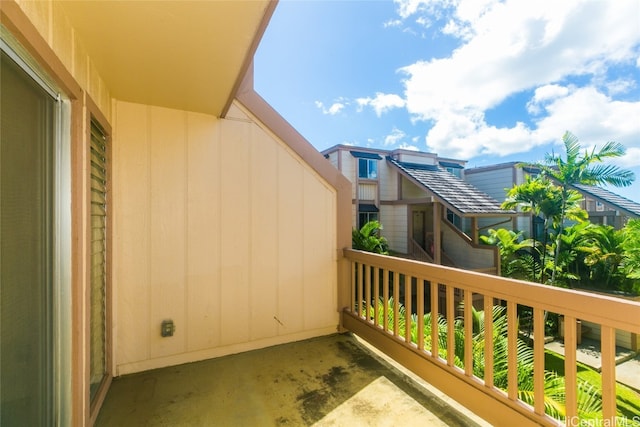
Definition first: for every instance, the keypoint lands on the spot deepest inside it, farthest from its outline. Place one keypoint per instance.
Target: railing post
(608, 349)
(570, 370)
(538, 360)
(468, 333)
(512, 351)
(488, 341)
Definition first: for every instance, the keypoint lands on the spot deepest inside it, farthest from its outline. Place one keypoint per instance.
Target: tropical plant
(589, 399)
(368, 238)
(631, 259)
(586, 168)
(515, 261)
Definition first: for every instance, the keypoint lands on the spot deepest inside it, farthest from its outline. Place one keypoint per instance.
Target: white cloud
(593, 117)
(381, 103)
(630, 160)
(514, 47)
(333, 109)
(544, 94)
(405, 146)
(394, 137)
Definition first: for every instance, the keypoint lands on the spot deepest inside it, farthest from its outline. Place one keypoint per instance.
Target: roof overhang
(188, 55)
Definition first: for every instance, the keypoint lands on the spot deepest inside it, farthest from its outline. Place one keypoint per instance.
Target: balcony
(361, 377)
(327, 381)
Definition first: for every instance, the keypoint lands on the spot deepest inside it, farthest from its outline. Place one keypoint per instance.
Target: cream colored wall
(394, 221)
(221, 228)
(388, 181)
(368, 192)
(349, 170)
(49, 19)
(463, 254)
(411, 190)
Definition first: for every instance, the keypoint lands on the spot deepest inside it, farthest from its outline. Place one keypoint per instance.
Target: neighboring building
(422, 202)
(603, 206)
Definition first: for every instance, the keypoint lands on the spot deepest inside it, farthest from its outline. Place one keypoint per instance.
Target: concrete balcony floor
(329, 381)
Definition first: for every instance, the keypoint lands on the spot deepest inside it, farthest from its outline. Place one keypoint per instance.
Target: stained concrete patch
(295, 384)
(381, 404)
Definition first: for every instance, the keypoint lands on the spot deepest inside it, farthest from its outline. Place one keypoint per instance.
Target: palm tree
(543, 198)
(582, 168)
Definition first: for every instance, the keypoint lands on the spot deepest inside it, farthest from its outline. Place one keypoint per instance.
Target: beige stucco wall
(221, 228)
(49, 19)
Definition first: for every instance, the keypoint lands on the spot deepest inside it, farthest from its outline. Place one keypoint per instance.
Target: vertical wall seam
(185, 234)
(278, 241)
(149, 218)
(218, 161)
(249, 165)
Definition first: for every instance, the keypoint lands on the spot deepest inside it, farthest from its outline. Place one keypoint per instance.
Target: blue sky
(479, 80)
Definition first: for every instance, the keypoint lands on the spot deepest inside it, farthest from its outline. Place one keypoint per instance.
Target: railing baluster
(367, 291)
(420, 312)
(608, 348)
(451, 334)
(538, 361)
(396, 302)
(407, 308)
(488, 341)
(376, 296)
(354, 284)
(434, 319)
(512, 350)
(570, 367)
(385, 297)
(468, 332)
(360, 285)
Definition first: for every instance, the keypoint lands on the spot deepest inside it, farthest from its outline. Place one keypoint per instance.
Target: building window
(365, 217)
(457, 172)
(368, 168)
(454, 219)
(366, 213)
(98, 147)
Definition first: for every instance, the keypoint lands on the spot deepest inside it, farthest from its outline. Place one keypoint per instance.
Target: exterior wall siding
(49, 19)
(349, 170)
(221, 228)
(394, 221)
(412, 191)
(388, 181)
(368, 192)
(492, 182)
(465, 255)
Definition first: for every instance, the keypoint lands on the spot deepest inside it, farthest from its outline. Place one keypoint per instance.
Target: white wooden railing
(422, 287)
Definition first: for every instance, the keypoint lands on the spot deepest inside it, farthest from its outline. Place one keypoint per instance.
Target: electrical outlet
(168, 328)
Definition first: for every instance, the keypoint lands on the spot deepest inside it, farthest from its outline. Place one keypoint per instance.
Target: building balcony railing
(431, 319)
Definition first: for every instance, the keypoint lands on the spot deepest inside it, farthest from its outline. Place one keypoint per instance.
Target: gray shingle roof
(610, 198)
(462, 196)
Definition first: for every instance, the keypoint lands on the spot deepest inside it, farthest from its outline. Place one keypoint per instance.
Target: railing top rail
(606, 310)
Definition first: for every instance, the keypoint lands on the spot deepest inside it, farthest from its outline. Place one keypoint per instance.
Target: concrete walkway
(588, 352)
(327, 381)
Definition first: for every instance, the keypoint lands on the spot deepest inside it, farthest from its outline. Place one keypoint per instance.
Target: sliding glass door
(27, 126)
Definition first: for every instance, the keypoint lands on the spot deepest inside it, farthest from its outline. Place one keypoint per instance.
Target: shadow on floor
(327, 381)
